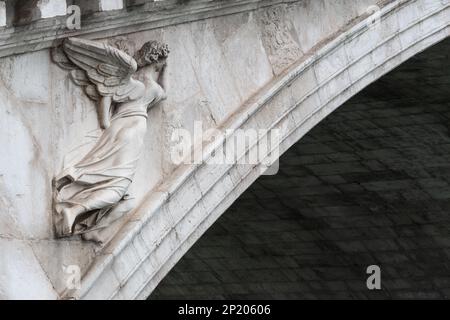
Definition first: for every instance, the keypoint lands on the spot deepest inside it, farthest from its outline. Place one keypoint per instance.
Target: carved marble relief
(278, 38)
(91, 194)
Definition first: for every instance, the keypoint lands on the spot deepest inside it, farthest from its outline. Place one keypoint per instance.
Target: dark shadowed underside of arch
(369, 185)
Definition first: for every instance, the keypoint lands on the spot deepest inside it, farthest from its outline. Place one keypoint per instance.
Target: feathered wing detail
(101, 69)
(60, 58)
(78, 76)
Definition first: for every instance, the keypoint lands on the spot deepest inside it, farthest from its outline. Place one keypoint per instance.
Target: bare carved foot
(68, 221)
(92, 236)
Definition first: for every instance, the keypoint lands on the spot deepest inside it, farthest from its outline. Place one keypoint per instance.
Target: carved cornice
(41, 34)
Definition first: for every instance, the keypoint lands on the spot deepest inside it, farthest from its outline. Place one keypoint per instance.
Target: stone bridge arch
(181, 210)
(367, 186)
(258, 64)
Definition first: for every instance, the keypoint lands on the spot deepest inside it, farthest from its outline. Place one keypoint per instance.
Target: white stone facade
(2, 13)
(215, 66)
(106, 5)
(52, 8)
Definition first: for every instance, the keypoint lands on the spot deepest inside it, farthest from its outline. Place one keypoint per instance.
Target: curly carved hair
(151, 52)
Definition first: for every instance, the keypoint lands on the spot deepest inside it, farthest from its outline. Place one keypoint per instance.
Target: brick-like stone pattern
(368, 185)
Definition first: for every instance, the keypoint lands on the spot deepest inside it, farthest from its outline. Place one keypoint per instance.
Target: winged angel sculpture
(87, 195)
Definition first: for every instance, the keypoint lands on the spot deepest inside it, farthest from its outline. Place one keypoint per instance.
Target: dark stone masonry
(368, 185)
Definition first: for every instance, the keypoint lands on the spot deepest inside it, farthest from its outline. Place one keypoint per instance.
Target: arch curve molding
(179, 211)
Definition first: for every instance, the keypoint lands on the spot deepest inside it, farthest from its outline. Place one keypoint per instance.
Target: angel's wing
(101, 69)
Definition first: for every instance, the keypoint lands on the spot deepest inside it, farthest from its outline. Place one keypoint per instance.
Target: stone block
(2, 13)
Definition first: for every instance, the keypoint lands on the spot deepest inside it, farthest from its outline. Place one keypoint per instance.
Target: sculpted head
(152, 53)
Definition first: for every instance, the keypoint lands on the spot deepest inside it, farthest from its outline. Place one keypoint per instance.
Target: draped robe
(100, 180)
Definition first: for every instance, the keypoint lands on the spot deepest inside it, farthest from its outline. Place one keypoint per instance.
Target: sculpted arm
(162, 76)
(104, 108)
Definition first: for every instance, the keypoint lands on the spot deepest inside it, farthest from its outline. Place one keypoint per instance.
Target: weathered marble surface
(215, 66)
(2, 13)
(52, 8)
(169, 221)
